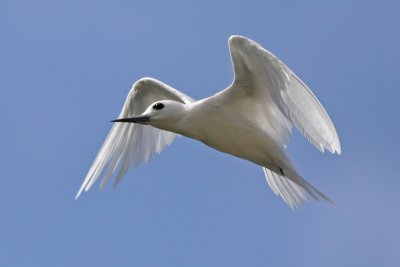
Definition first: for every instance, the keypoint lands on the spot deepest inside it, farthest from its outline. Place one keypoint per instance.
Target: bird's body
(220, 126)
(251, 119)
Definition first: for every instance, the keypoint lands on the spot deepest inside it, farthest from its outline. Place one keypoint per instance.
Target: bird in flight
(251, 119)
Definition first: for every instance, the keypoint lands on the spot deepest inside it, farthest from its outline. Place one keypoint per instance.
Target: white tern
(251, 119)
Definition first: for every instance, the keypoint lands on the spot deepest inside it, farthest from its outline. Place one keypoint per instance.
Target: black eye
(158, 106)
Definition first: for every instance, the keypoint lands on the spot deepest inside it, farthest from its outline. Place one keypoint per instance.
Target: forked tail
(293, 188)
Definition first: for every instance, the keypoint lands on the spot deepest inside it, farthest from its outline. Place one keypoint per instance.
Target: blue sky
(66, 68)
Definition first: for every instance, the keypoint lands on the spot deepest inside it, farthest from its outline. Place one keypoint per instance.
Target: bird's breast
(231, 135)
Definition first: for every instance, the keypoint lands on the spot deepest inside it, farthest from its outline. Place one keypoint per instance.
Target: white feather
(129, 144)
(283, 92)
(251, 119)
(293, 193)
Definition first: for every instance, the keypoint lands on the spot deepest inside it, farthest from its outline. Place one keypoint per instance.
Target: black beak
(138, 119)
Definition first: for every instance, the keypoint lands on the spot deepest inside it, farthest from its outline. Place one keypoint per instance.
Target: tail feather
(293, 188)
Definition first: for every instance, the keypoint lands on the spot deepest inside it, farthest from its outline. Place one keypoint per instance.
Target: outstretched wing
(129, 144)
(261, 74)
(278, 99)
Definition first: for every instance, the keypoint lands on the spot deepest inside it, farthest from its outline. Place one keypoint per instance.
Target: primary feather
(128, 144)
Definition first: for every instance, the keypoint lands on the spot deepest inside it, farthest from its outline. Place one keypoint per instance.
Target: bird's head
(162, 114)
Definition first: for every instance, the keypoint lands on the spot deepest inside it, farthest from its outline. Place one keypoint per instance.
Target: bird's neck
(193, 123)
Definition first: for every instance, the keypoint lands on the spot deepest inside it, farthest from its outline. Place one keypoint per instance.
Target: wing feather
(129, 144)
(264, 75)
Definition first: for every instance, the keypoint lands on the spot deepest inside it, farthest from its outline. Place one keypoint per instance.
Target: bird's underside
(247, 140)
(251, 119)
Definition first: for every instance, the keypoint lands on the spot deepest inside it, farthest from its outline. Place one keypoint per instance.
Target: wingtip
(83, 186)
(336, 148)
(78, 195)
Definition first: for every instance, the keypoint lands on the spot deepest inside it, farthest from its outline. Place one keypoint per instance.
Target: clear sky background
(66, 68)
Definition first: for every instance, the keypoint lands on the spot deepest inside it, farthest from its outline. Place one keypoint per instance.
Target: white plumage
(251, 119)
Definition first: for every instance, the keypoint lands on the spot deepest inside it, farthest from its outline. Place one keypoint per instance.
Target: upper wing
(129, 144)
(261, 74)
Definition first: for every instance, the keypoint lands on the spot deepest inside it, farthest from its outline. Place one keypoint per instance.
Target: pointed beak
(139, 119)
